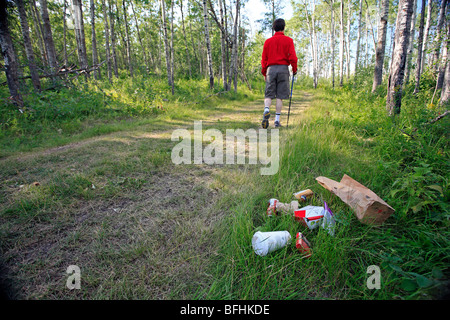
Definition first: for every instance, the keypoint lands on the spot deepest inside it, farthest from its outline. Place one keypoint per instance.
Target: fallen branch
(63, 71)
(439, 117)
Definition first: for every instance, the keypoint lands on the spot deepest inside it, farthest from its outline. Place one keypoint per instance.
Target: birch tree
(113, 37)
(381, 45)
(445, 93)
(27, 44)
(397, 70)
(127, 38)
(79, 33)
(208, 44)
(48, 37)
(9, 56)
(185, 40)
(419, 48)
(107, 48)
(97, 74)
(438, 38)
(358, 37)
(411, 43)
(426, 34)
(166, 42)
(341, 45)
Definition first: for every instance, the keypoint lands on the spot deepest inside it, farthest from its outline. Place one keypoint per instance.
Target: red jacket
(277, 50)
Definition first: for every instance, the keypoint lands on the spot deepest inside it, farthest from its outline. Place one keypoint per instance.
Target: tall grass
(346, 131)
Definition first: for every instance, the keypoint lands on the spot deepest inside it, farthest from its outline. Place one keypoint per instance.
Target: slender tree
(127, 38)
(397, 70)
(426, 34)
(208, 43)
(48, 37)
(419, 48)
(107, 48)
(79, 34)
(358, 38)
(166, 42)
(9, 56)
(27, 44)
(438, 38)
(188, 59)
(97, 74)
(113, 37)
(411, 43)
(381, 45)
(341, 45)
(144, 51)
(445, 93)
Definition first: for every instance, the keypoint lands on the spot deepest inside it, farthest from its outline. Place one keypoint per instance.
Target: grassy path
(138, 226)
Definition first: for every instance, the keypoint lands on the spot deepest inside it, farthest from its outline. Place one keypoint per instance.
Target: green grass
(142, 228)
(345, 132)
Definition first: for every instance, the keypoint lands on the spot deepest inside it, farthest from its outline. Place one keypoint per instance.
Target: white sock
(277, 117)
(266, 109)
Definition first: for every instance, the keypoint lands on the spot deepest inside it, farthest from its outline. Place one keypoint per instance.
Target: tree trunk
(419, 48)
(438, 38)
(127, 39)
(358, 38)
(444, 62)
(185, 39)
(144, 52)
(28, 47)
(224, 48)
(208, 43)
(411, 43)
(401, 43)
(48, 38)
(97, 74)
(332, 41)
(348, 38)
(445, 93)
(172, 50)
(9, 56)
(113, 38)
(381, 45)
(66, 62)
(341, 47)
(39, 32)
(426, 34)
(79, 33)
(166, 42)
(107, 49)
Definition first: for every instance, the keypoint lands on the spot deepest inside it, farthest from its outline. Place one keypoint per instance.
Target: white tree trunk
(208, 45)
(397, 70)
(381, 45)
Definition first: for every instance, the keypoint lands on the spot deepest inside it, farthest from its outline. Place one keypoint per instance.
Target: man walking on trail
(278, 54)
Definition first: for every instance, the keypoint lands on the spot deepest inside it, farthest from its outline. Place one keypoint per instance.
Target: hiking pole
(290, 99)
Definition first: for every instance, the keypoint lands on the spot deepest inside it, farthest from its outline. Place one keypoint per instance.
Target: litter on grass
(369, 208)
(266, 242)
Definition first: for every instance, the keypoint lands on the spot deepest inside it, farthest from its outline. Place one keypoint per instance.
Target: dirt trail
(138, 226)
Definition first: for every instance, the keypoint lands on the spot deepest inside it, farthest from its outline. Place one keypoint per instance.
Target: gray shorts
(277, 82)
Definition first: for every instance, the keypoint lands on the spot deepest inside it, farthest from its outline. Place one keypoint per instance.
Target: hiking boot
(277, 124)
(265, 121)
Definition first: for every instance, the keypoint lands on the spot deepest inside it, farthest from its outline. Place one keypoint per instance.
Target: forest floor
(137, 225)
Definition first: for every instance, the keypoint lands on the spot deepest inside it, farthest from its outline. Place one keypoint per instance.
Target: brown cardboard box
(369, 208)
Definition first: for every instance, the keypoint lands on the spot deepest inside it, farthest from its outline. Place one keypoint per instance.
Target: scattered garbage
(309, 216)
(266, 242)
(369, 208)
(276, 207)
(303, 245)
(304, 194)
